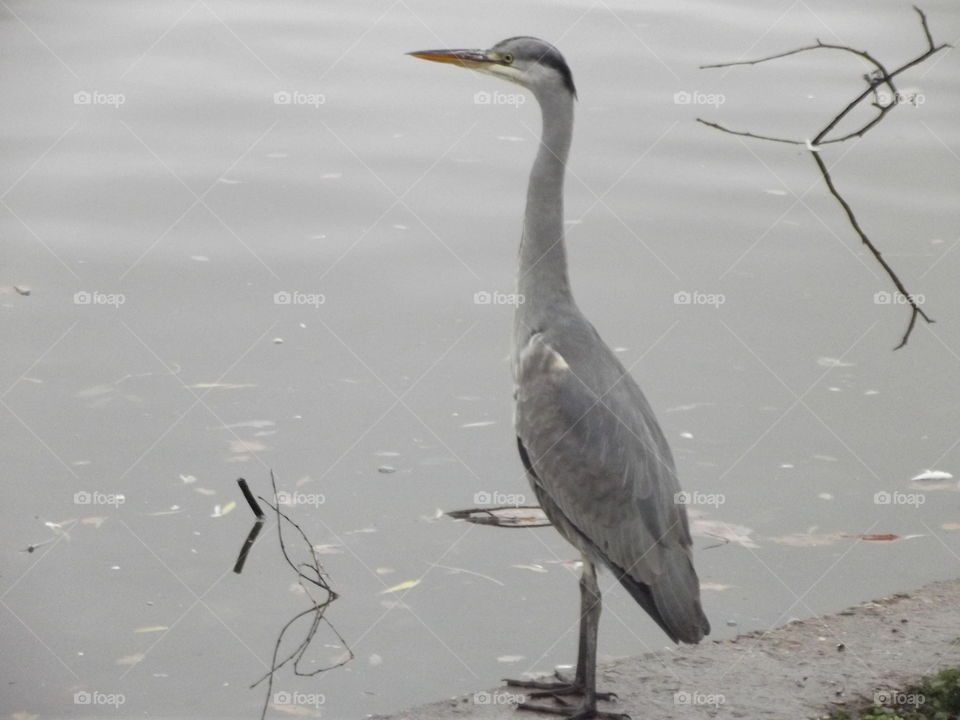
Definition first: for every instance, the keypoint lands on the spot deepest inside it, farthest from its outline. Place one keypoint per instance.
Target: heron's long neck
(543, 263)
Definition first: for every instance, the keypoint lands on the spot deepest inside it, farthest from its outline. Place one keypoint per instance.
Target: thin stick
(880, 76)
(251, 500)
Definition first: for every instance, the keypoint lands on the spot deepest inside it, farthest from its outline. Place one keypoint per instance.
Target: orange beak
(465, 58)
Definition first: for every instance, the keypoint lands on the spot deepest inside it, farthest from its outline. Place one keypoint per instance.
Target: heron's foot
(586, 711)
(557, 688)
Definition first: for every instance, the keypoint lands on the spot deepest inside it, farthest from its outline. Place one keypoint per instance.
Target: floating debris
(833, 362)
(130, 659)
(933, 475)
(716, 587)
(508, 516)
(401, 587)
(328, 549)
(246, 446)
(386, 469)
(256, 424)
(481, 423)
(152, 629)
(221, 511)
(720, 530)
(808, 539)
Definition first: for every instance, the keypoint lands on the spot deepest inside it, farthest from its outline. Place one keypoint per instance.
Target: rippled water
(180, 213)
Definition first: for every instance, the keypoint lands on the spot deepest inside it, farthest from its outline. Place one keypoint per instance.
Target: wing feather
(600, 457)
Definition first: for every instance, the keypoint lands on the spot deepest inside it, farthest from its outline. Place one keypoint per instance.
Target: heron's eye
(507, 59)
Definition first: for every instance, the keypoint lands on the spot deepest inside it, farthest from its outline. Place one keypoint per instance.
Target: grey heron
(598, 462)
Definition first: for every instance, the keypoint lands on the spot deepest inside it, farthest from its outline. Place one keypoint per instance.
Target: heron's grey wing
(602, 460)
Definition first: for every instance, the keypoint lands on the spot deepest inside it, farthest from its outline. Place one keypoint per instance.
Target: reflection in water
(310, 576)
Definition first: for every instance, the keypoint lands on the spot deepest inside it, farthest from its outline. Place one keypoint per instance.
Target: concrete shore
(804, 669)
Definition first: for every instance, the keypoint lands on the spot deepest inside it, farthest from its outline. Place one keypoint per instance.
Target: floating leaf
(246, 446)
(728, 532)
(401, 586)
(718, 587)
(152, 629)
(833, 362)
(876, 537)
(808, 539)
(130, 659)
(933, 475)
(951, 526)
(329, 549)
(95, 391)
(508, 516)
(221, 511)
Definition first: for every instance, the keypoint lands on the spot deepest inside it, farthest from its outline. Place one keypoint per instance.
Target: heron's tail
(674, 600)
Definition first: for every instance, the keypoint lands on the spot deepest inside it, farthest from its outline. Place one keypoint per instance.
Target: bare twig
(309, 574)
(251, 500)
(879, 77)
(915, 310)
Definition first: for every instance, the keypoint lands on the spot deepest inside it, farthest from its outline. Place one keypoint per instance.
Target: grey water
(239, 237)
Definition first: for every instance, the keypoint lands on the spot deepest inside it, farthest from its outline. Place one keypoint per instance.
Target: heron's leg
(585, 682)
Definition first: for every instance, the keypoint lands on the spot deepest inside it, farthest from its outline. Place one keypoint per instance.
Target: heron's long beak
(474, 59)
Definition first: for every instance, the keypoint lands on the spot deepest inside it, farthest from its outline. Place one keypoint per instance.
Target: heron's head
(527, 61)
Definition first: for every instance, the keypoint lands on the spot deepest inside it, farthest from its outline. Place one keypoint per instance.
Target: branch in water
(879, 77)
